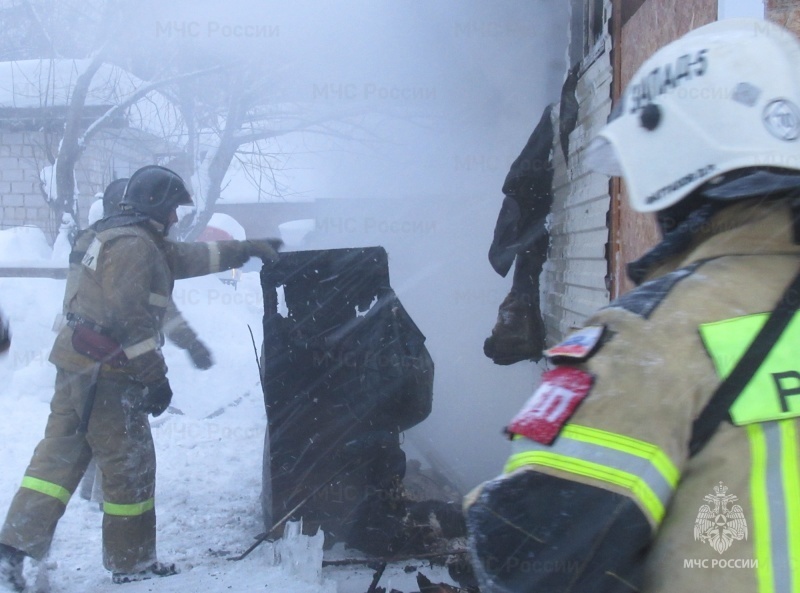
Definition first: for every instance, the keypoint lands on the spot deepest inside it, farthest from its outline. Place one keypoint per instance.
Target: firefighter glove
(200, 354)
(156, 397)
(266, 249)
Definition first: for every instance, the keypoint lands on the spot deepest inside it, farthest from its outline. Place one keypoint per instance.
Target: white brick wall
(22, 156)
(574, 277)
(21, 201)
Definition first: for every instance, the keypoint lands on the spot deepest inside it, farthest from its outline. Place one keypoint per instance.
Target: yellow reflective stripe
(47, 488)
(642, 467)
(626, 444)
(631, 482)
(128, 510)
(791, 493)
(760, 500)
(775, 488)
(141, 348)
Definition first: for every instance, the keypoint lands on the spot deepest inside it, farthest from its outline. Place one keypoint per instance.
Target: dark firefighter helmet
(113, 196)
(155, 192)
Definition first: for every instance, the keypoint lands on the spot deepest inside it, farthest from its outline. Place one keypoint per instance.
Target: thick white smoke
(450, 91)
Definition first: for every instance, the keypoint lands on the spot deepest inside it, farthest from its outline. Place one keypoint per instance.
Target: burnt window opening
(586, 29)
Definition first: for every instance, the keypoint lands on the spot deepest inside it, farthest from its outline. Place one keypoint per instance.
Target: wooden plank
(618, 18)
(583, 190)
(592, 218)
(587, 245)
(582, 304)
(593, 265)
(585, 281)
(578, 271)
(590, 88)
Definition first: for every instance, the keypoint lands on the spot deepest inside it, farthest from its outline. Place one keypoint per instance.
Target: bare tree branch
(69, 151)
(134, 97)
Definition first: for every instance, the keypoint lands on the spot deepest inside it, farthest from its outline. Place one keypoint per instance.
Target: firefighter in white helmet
(661, 452)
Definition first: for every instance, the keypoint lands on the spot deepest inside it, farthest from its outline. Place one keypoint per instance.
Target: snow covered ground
(209, 453)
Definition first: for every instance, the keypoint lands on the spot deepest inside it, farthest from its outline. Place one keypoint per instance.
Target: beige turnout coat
(123, 287)
(726, 519)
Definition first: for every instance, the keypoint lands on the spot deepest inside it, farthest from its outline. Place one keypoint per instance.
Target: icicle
(300, 556)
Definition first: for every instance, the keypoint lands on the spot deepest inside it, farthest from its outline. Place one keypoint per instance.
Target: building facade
(594, 233)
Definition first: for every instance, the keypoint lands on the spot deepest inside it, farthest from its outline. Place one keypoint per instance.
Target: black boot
(519, 332)
(11, 561)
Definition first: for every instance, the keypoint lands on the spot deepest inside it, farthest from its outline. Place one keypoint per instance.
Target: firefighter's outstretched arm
(198, 259)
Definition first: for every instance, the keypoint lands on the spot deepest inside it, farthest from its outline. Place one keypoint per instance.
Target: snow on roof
(27, 84)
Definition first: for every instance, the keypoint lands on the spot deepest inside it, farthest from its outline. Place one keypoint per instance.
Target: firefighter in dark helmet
(661, 451)
(176, 329)
(110, 376)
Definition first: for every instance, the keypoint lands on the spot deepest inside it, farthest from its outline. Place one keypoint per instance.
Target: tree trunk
(70, 149)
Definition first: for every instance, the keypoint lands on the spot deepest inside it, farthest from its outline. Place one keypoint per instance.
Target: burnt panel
(345, 371)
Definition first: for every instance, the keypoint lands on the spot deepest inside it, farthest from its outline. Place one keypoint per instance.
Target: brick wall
(22, 156)
(111, 155)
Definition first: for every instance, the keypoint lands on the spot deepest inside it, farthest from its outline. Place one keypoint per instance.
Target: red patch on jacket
(543, 415)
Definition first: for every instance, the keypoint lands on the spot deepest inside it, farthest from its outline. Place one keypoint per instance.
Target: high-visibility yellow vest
(773, 392)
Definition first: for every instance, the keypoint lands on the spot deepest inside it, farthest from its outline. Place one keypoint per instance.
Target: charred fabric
(345, 371)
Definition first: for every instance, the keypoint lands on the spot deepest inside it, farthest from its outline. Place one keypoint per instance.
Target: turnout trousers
(119, 439)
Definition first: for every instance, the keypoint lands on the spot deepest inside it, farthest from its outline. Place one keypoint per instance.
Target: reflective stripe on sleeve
(47, 488)
(128, 510)
(637, 466)
(775, 488)
(214, 257)
(141, 348)
(158, 300)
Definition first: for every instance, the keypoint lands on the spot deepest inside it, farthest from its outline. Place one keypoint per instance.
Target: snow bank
(209, 450)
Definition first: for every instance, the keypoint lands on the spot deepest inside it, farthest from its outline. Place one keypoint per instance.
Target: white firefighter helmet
(724, 97)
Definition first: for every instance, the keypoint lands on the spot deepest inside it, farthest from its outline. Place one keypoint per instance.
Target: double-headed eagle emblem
(718, 525)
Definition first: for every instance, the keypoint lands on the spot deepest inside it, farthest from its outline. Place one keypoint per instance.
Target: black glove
(201, 356)
(156, 397)
(266, 249)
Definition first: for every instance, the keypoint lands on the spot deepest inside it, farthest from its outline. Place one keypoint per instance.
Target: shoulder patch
(92, 253)
(644, 299)
(579, 345)
(548, 409)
